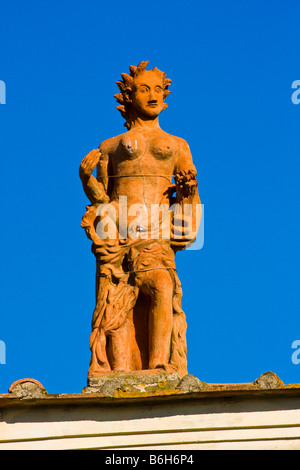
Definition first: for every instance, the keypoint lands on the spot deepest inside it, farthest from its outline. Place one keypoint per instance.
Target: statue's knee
(160, 280)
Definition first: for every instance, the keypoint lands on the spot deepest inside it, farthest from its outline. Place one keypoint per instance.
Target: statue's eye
(158, 89)
(143, 89)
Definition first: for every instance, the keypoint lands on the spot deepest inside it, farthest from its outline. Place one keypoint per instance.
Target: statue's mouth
(152, 105)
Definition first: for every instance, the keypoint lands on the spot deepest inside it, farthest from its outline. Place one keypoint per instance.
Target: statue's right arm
(103, 164)
(95, 190)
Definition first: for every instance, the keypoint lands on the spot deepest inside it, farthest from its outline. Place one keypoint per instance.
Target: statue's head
(143, 92)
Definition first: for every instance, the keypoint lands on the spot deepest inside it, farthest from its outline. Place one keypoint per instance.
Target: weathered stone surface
(114, 385)
(268, 380)
(27, 388)
(190, 383)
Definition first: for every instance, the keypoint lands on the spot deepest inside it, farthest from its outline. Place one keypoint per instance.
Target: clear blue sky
(232, 64)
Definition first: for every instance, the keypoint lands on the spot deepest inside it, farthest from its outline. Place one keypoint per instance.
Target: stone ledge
(139, 384)
(124, 384)
(122, 388)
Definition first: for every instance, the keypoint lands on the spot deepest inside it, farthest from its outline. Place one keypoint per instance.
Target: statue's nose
(152, 97)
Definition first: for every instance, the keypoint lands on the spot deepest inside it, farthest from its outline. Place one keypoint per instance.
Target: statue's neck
(144, 123)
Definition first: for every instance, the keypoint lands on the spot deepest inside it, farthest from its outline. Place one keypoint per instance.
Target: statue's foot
(98, 372)
(168, 368)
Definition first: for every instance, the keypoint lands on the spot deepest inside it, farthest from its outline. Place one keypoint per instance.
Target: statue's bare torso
(141, 163)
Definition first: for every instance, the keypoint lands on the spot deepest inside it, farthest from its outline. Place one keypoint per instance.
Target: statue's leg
(119, 347)
(98, 364)
(158, 284)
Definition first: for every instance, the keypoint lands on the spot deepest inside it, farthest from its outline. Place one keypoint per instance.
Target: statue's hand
(186, 184)
(88, 164)
(183, 228)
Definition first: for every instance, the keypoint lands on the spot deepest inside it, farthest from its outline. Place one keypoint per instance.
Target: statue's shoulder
(181, 144)
(109, 146)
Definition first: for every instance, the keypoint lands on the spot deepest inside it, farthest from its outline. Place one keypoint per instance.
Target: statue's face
(148, 94)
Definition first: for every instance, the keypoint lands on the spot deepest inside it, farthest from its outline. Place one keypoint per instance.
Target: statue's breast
(136, 145)
(133, 145)
(162, 147)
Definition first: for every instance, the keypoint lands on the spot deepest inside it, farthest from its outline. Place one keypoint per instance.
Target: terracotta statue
(138, 323)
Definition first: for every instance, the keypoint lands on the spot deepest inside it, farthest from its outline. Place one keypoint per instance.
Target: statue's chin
(149, 113)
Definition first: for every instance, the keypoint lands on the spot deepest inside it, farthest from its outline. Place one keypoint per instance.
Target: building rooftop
(120, 388)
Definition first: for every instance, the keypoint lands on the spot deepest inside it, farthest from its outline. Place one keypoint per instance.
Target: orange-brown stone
(138, 323)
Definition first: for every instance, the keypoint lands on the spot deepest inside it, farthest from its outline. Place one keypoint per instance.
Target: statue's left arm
(185, 173)
(187, 219)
